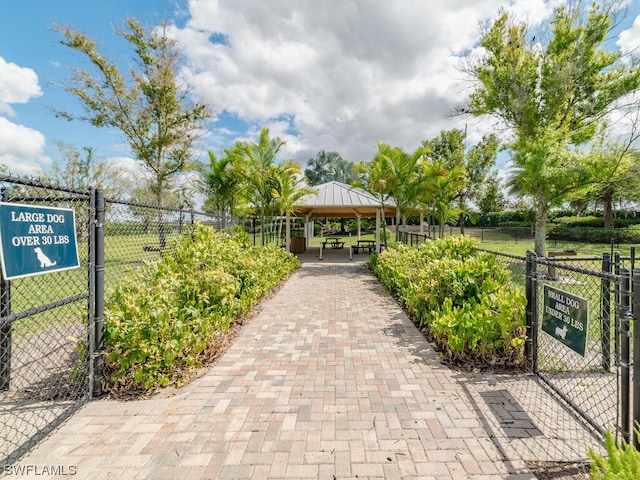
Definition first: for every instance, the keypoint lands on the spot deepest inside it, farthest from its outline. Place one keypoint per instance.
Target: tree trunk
(461, 220)
(607, 203)
(161, 229)
(541, 229)
(383, 225)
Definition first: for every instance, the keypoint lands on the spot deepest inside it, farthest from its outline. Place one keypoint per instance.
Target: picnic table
(363, 245)
(333, 243)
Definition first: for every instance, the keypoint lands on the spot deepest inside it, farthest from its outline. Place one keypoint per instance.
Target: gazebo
(338, 200)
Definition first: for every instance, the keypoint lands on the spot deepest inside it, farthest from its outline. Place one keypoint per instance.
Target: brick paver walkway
(330, 381)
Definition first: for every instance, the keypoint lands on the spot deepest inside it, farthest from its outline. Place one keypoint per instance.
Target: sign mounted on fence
(566, 318)
(35, 240)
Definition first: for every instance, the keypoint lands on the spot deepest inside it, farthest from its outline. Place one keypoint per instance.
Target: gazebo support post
(287, 232)
(378, 231)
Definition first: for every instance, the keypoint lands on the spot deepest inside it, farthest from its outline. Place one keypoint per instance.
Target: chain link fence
(581, 369)
(587, 364)
(135, 234)
(50, 324)
(44, 368)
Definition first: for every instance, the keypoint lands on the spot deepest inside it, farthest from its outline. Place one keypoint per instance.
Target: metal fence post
(605, 338)
(99, 294)
(636, 352)
(531, 343)
(625, 360)
(5, 330)
(616, 301)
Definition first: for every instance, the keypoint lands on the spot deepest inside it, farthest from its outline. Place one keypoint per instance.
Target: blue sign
(35, 240)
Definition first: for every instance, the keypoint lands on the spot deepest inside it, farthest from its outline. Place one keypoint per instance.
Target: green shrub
(489, 329)
(595, 235)
(589, 221)
(497, 219)
(161, 317)
(622, 462)
(520, 225)
(462, 297)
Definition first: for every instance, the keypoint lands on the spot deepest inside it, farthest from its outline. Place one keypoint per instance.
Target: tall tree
(552, 94)
(150, 107)
(327, 167)
(489, 197)
(617, 172)
(474, 164)
(80, 170)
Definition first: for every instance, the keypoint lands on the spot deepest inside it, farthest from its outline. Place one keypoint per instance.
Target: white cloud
(629, 40)
(21, 148)
(17, 85)
(533, 12)
(347, 74)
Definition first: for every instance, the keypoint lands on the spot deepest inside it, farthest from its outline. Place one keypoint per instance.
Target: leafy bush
(161, 317)
(516, 225)
(462, 297)
(622, 462)
(498, 219)
(589, 221)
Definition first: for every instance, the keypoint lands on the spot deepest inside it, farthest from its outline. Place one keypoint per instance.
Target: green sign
(35, 240)
(566, 318)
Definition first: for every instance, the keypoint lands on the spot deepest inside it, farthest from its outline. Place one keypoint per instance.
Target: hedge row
(595, 235)
(525, 219)
(463, 299)
(163, 316)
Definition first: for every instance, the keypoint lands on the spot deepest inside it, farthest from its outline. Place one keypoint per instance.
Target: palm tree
(260, 181)
(377, 177)
(440, 190)
(327, 167)
(404, 168)
(289, 187)
(222, 183)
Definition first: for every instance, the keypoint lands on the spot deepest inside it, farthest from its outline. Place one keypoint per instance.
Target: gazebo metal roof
(336, 199)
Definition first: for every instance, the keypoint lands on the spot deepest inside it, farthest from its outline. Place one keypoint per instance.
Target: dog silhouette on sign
(561, 332)
(43, 259)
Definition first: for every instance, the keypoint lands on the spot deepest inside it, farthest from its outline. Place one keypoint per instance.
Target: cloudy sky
(336, 75)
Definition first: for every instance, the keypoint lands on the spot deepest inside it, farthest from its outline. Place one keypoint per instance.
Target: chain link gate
(46, 329)
(584, 357)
